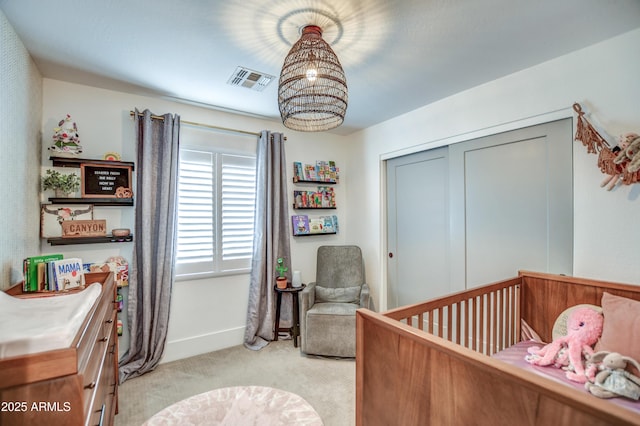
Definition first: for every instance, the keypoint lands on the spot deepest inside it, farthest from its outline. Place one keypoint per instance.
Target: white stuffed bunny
(614, 380)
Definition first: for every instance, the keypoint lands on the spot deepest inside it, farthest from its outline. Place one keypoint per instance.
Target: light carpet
(328, 385)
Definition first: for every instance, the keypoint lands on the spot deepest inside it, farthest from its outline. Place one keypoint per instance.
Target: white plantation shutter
(238, 194)
(216, 198)
(196, 198)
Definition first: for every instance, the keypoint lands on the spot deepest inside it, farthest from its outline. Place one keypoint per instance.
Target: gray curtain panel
(271, 241)
(151, 277)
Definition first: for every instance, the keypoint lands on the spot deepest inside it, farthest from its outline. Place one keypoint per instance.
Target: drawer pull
(90, 385)
(104, 339)
(109, 321)
(101, 415)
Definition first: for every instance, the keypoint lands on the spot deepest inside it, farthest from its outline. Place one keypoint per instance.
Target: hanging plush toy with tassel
(630, 154)
(621, 164)
(614, 162)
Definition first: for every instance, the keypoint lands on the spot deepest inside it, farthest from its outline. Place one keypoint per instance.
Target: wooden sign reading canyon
(84, 228)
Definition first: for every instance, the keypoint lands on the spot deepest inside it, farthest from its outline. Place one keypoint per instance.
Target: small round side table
(295, 326)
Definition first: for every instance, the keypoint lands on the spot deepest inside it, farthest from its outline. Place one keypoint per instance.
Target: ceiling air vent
(254, 80)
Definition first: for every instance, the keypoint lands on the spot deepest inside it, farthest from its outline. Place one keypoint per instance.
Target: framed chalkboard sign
(106, 181)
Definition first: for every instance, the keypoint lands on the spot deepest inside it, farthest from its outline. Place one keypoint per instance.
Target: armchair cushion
(338, 294)
(339, 322)
(330, 308)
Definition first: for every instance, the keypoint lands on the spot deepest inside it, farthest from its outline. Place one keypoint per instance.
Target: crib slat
(517, 331)
(474, 323)
(458, 322)
(431, 322)
(449, 318)
(465, 325)
(494, 315)
(512, 292)
(483, 324)
(500, 320)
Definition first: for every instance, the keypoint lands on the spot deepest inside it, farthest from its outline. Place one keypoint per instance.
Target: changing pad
(42, 324)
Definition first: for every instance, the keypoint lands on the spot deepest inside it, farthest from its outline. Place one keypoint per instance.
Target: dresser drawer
(101, 355)
(94, 331)
(100, 410)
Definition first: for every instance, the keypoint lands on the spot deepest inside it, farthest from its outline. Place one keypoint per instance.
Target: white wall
(206, 314)
(603, 78)
(210, 314)
(20, 112)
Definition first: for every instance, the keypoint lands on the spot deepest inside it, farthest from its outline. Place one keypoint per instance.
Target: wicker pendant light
(312, 94)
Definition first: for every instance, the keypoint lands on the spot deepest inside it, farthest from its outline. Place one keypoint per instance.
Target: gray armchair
(328, 305)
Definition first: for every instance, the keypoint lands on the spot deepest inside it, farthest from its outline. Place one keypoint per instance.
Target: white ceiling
(398, 55)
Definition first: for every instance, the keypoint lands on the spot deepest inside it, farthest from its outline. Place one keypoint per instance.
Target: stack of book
(322, 171)
(52, 273)
(304, 225)
(324, 197)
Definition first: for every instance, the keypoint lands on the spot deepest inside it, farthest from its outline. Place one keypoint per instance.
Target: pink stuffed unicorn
(584, 327)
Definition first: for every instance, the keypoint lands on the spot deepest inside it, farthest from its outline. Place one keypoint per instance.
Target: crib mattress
(515, 355)
(41, 324)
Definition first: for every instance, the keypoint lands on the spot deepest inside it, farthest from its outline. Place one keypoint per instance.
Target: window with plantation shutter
(216, 199)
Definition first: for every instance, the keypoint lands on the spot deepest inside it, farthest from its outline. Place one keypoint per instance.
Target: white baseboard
(185, 348)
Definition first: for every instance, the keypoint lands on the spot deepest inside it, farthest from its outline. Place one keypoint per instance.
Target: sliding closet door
(479, 211)
(512, 204)
(418, 223)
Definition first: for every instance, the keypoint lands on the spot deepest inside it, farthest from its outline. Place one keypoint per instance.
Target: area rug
(239, 406)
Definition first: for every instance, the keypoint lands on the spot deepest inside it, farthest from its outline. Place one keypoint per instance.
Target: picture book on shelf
(298, 172)
(315, 225)
(328, 224)
(300, 224)
(67, 274)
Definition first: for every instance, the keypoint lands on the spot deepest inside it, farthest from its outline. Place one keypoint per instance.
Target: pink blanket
(515, 354)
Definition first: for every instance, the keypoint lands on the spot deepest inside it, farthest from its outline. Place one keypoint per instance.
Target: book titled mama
(67, 274)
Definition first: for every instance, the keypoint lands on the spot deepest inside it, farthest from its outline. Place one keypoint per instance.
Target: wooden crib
(430, 363)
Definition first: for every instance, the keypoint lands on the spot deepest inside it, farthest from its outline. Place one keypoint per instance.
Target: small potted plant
(65, 185)
(281, 280)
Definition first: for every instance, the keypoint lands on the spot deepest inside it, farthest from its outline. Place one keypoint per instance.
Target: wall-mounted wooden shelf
(315, 234)
(59, 241)
(76, 162)
(121, 202)
(313, 208)
(317, 182)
